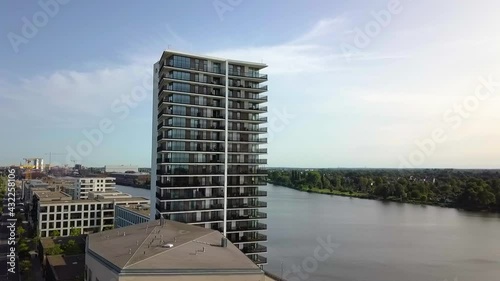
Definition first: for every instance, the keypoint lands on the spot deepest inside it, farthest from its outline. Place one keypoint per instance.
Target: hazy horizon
(410, 84)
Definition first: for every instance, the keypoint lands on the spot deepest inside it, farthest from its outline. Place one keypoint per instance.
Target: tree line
(467, 189)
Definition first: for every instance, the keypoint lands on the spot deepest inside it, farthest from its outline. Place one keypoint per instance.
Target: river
(375, 241)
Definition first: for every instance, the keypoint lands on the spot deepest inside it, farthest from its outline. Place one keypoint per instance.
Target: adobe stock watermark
(223, 6)
(310, 264)
(363, 36)
(31, 26)
(121, 107)
(454, 117)
(279, 121)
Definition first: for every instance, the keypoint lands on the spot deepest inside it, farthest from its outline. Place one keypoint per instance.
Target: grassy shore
(367, 196)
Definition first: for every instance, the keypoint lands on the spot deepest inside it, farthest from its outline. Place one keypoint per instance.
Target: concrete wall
(98, 270)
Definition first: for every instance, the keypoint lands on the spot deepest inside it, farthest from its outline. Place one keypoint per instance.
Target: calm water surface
(376, 241)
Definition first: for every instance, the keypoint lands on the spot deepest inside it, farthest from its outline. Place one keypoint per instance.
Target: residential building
(85, 185)
(126, 215)
(207, 147)
(55, 212)
(166, 250)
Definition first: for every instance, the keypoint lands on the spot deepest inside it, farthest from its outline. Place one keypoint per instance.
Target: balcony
(247, 96)
(189, 197)
(248, 194)
(251, 238)
(247, 129)
(177, 64)
(214, 103)
(177, 209)
(249, 108)
(259, 119)
(260, 150)
(197, 80)
(258, 259)
(254, 249)
(248, 86)
(196, 137)
(190, 172)
(200, 115)
(191, 184)
(249, 161)
(232, 171)
(257, 140)
(201, 91)
(203, 219)
(197, 149)
(257, 215)
(248, 74)
(188, 126)
(247, 183)
(259, 226)
(251, 205)
(191, 161)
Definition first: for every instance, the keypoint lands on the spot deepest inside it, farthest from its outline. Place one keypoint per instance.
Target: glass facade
(191, 155)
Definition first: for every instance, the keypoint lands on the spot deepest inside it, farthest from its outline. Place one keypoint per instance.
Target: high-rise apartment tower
(207, 146)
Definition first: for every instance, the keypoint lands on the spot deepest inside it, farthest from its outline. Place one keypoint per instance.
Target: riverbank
(372, 197)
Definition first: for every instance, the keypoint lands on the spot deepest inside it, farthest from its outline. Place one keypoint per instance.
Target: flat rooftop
(168, 53)
(46, 195)
(126, 199)
(108, 191)
(136, 208)
(173, 247)
(107, 200)
(67, 267)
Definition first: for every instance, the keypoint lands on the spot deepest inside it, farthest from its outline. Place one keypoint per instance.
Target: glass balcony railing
(258, 259)
(247, 74)
(240, 205)
(216, 207)
(205, 80)
(259, 226)
(254, 249)
(171, 196)
(247, 194)
(213, 183)
(251, 238)
(190, 66)
(239, 95)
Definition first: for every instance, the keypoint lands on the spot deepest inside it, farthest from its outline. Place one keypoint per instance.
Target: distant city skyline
(378, 84)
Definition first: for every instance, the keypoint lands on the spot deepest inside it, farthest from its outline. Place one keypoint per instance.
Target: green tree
(25, 266)
(55, 233)
(71, 248)
(313, 178)
(21, 231)
(75, 232)
(56, 250)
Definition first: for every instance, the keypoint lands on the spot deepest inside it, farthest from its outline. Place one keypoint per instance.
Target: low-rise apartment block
(86, 185)
(131, 214)
(57, 213)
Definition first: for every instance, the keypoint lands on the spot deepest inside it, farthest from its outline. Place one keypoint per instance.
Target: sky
(375, 84)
